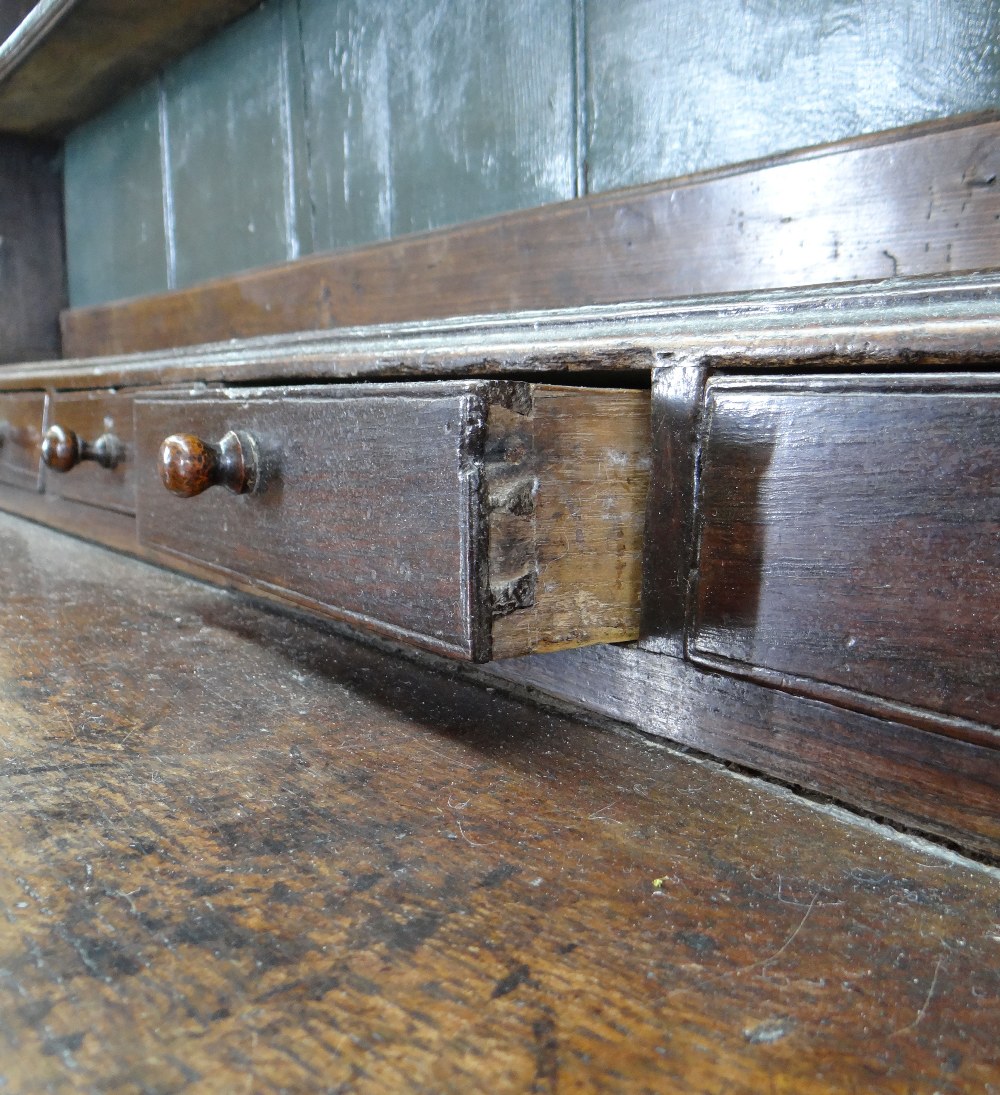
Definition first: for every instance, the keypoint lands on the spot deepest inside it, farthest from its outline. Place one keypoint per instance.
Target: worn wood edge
(33, 29)
(229, 579)
(44, 89)
(942, 787)
(585, 515)
(851, 699)
(951, 321)
(427, 274)
(676, 400)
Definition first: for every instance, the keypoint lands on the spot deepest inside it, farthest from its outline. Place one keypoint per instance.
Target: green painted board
(432, 112)
(482, 100)
(115, 239)
(346, 70)
(675, 86)
(233, 123)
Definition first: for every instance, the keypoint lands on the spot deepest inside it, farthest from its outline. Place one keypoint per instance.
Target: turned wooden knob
(189, 465)
(62, 450)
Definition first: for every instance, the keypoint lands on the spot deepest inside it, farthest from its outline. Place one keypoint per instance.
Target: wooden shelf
(66, 59)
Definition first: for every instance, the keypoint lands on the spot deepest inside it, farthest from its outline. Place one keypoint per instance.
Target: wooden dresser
(788, 499)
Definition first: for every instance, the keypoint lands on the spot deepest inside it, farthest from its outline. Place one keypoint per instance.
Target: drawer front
(21, 417)
(91, 416)
(366, 505)
(478, 519)
(850, 534)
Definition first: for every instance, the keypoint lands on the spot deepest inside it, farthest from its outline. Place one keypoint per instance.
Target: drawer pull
(62, 450)
(189, 465)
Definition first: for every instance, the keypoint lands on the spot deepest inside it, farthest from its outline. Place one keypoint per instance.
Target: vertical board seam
(306, 120)
(166, 174)
(579, 60)
(292, 247)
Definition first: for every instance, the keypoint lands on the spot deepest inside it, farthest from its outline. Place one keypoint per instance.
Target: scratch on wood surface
(927, 1000)
(474, 843)
(784, 946)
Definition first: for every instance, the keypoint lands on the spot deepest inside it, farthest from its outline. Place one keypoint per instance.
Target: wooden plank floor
(242, 854)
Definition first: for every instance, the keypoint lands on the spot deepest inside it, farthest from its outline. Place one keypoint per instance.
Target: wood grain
(116, 232)
(948, 322)
(57, 72)
(668, 542)
(909, 202)
(590, 470)
(237, 196)
(366, 874)
(682, 85)
(849, 534)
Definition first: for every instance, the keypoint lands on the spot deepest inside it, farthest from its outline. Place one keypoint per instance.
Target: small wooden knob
(62, 450)
(189, 465)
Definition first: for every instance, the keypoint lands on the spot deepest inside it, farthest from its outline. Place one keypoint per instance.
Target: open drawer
(480, 519)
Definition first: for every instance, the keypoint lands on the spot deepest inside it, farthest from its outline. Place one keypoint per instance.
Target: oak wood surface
(850, 534)
(915, 201)
(68, 58)
(367, 504)
(244, 851)
(589, 471)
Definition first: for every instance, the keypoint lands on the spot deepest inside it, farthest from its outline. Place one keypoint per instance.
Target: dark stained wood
(362, 874)
(903, 326)
(32, 264)
(90, 434)
(480, 520)
(22, 418)
(908, 202)
(367, 505)
(938, 785)
(945, 322)
(850, 535)
(668, 546)
(68, 58)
